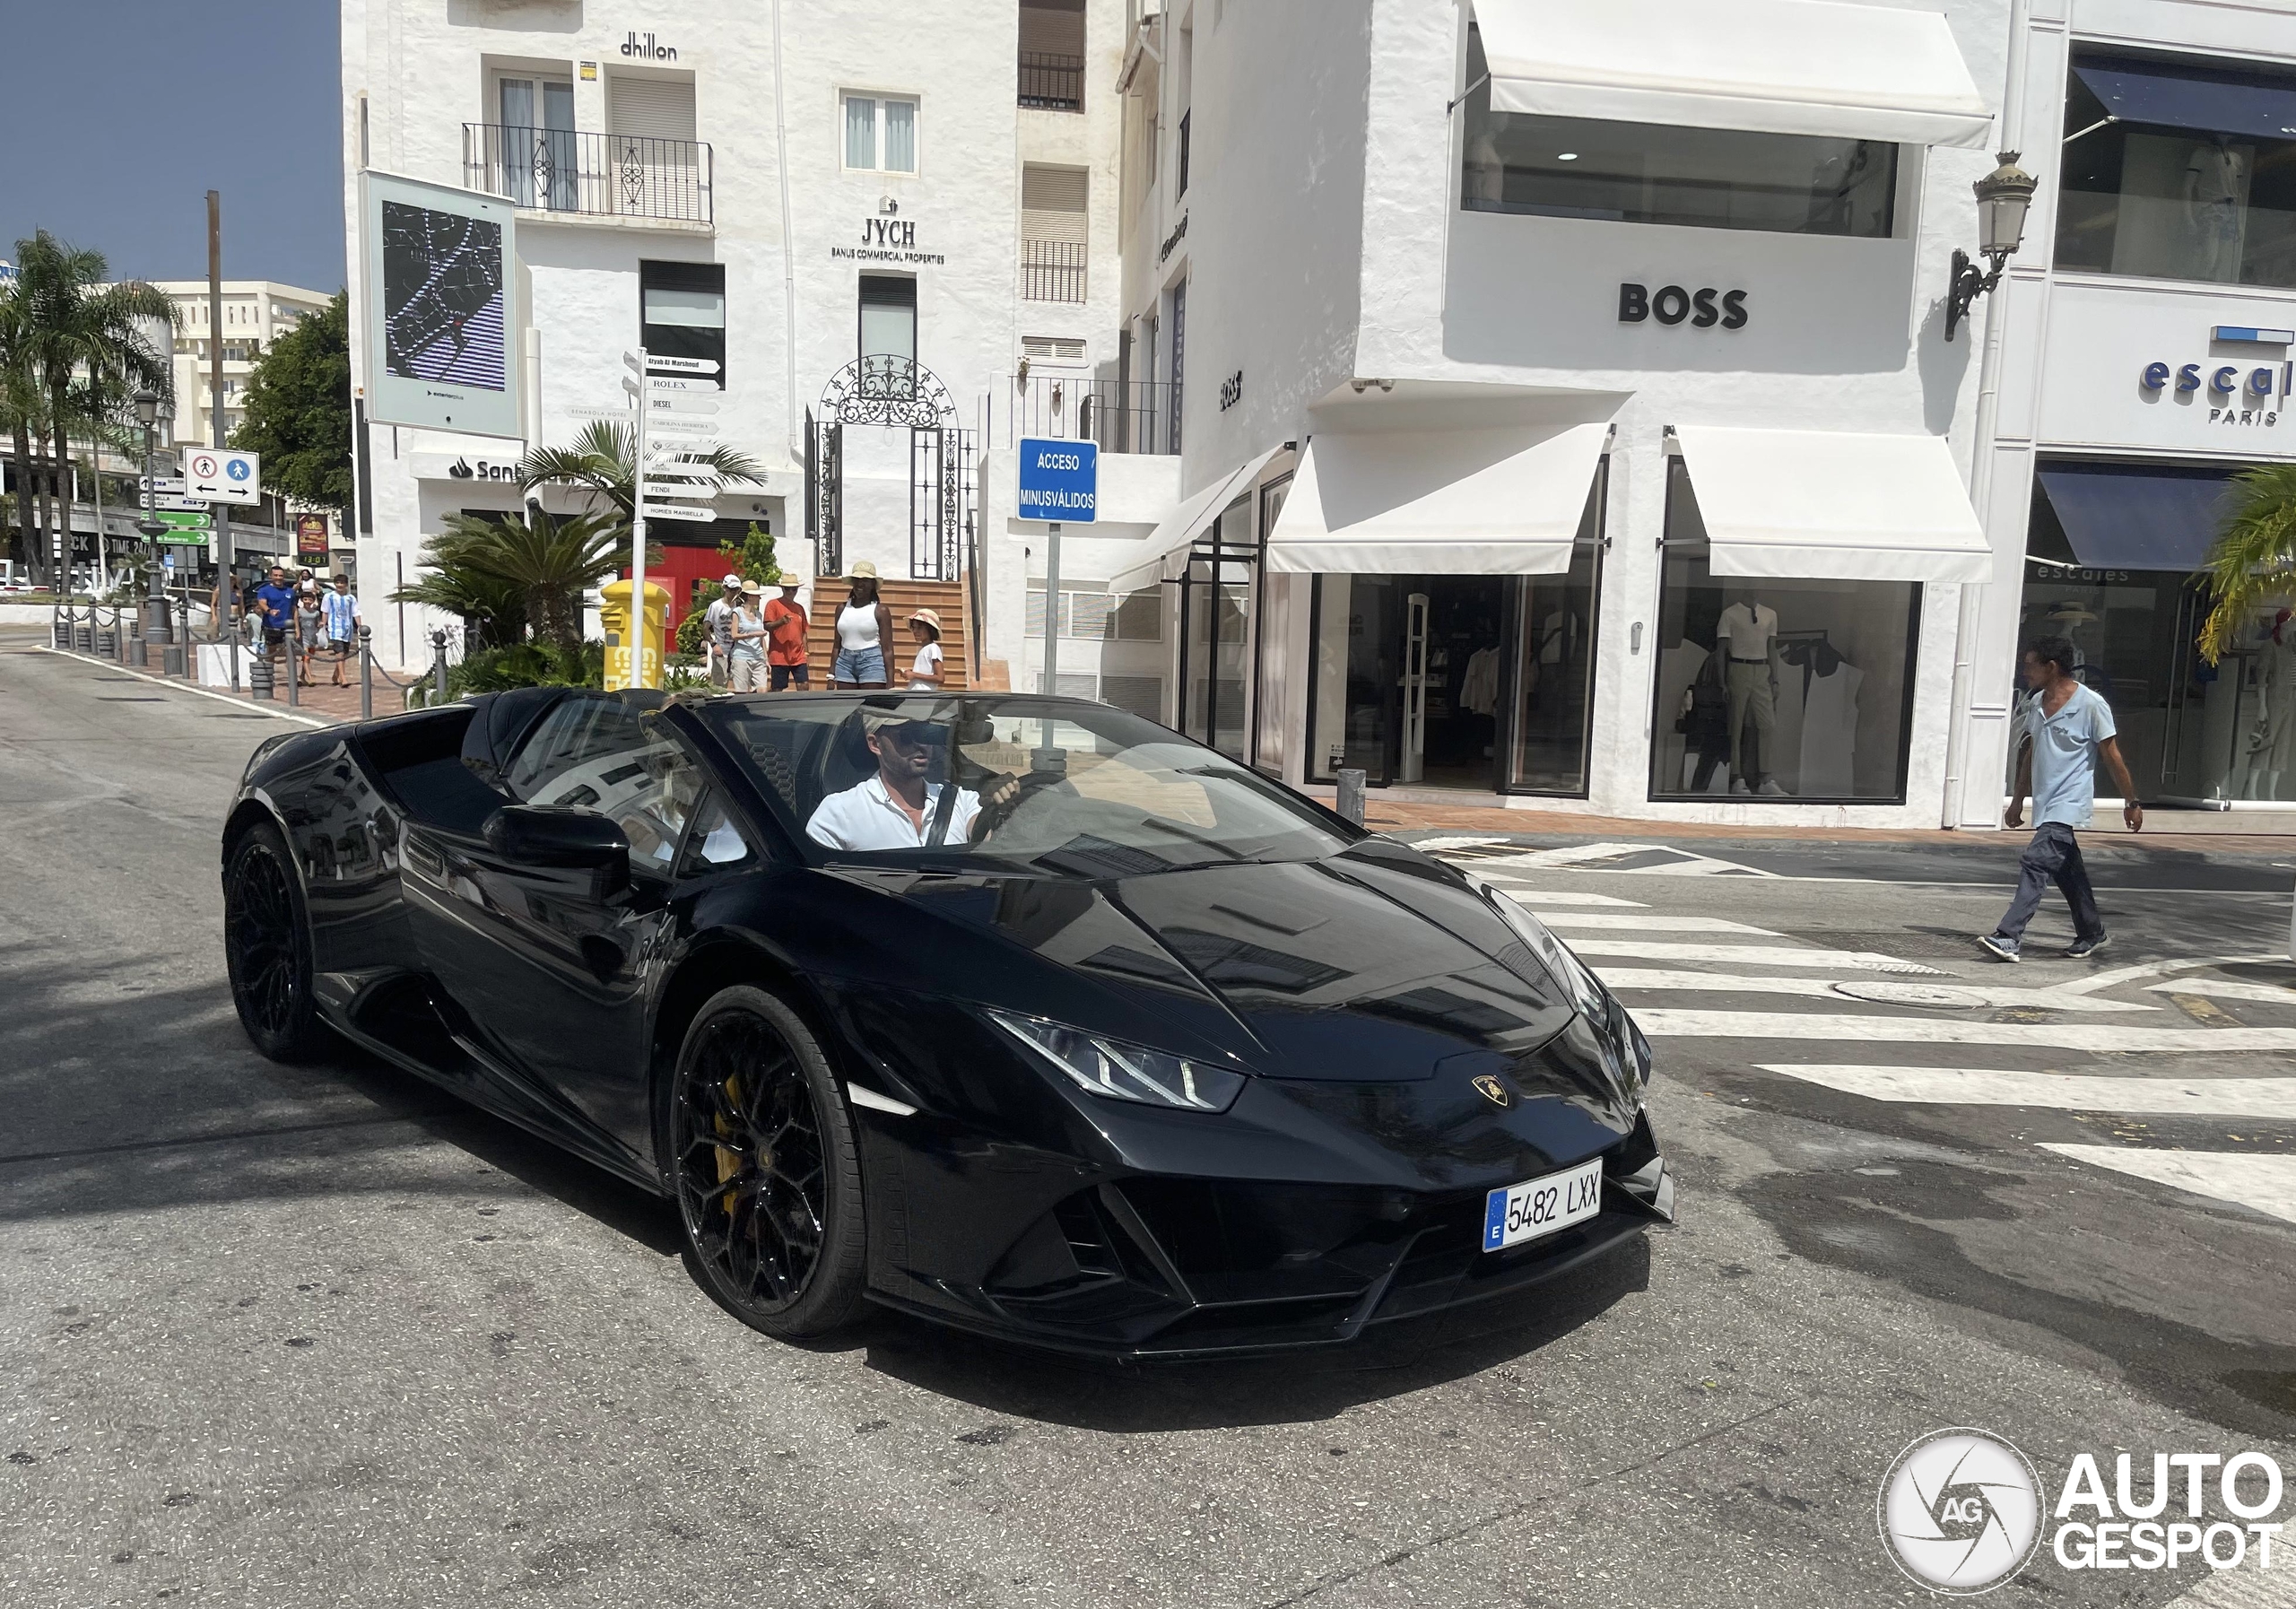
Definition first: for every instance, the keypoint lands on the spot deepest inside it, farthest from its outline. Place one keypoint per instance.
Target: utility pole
(219, 512)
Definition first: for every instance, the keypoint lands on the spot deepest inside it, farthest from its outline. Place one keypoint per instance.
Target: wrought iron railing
(1052, 82)
(1122, 416)
(1052, 271)
(584, 171)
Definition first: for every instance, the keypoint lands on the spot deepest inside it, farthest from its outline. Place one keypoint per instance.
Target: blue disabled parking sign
(1059, 480)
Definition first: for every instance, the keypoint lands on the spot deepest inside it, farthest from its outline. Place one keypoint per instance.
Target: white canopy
(1772, 66)
(1834, 505)
(1142, 565)
(1487, 502)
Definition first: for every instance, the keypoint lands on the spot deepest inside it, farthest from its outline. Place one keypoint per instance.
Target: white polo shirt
(865, 816)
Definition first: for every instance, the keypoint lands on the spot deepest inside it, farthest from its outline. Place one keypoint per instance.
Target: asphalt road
(321, 1335)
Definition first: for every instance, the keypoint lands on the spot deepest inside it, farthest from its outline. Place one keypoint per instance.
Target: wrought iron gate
(941, 486)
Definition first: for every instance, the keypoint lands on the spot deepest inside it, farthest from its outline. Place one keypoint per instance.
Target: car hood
(1377, 965)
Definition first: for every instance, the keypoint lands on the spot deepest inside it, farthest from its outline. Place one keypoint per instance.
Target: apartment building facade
(872, 228)
(256, 313)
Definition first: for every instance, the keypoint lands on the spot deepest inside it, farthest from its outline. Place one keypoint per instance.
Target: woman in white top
(864, 631)
(924, 673)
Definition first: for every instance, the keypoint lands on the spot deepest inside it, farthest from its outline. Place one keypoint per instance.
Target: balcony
(1052, 82)
(1122, 416)
(1052, 271)
(583, 173)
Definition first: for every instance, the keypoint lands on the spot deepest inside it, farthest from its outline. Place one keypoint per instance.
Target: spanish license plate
(1538, 1207)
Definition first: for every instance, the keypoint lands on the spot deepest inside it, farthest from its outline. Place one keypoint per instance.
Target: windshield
(1057, 786)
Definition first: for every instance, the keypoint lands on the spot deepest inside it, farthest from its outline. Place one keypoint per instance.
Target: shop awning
(2256, 106)
(1833, 505)
(2133, 516)
(1144, 564)
(1772, 66)
(1504, 502)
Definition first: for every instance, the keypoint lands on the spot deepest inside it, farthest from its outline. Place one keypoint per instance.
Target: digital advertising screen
(441, 309)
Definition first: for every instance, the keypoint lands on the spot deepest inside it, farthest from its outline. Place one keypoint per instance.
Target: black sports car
(1019, 1014)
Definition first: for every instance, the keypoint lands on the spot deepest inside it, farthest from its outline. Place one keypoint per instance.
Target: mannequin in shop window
(2215, 188)
(1744, 635)
(2272, 735)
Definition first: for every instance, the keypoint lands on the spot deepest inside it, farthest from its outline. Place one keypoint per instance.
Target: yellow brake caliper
(728, 1164)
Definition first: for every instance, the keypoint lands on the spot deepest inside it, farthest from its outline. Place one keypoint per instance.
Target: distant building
(256, 313)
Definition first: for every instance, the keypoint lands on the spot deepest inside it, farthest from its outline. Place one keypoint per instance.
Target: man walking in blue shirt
(2067, 729)
(274, 602)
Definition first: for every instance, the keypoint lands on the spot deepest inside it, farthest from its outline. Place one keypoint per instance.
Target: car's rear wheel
(761, 1155)
(267, 947)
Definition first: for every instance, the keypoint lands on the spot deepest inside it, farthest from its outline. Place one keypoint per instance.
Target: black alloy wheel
(761, 1155)
(267, 947)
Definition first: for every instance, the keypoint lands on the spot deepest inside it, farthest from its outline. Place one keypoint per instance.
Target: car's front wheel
(767, 1171)
(267, 947)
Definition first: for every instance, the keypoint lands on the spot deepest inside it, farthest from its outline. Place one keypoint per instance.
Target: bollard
(1350, 794)
(439, 665)
(366, 673)
(294, 673)
(262, 678)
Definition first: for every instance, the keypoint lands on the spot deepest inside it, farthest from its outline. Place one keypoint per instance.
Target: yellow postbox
(613, 617)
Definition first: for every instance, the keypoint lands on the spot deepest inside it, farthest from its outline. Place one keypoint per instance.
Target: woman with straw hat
(864, 633)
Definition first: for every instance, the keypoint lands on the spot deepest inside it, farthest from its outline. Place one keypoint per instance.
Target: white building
(868, 222)
(2146, 332)
(1514, 352)
(256, 313)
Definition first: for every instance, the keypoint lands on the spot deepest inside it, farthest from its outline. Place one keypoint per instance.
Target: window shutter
(1052, 203)
(653, 109)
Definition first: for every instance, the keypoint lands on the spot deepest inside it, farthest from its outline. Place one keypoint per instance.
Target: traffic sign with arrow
(680, 511)
(660, 364)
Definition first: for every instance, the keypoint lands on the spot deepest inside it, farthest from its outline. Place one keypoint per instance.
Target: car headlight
(1121, 1071)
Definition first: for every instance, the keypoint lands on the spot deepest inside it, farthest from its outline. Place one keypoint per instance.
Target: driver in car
(896, 808)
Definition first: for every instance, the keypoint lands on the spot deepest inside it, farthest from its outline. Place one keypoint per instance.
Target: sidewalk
(1411, 816)
(322, 704)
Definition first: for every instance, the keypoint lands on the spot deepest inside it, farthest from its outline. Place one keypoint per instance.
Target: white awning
(1490, 502)
(1833, 505)
(1144, 564)
(1772, 66)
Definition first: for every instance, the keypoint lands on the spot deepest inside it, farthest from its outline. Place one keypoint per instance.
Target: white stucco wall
(1844, 335)
(422, 69)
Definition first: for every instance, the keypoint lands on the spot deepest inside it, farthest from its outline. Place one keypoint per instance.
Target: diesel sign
(1671, 304)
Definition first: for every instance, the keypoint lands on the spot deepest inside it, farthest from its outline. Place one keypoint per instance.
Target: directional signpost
(1059, 481)
(673, 400)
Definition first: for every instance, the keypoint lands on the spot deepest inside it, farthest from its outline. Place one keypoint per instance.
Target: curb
(169, 682)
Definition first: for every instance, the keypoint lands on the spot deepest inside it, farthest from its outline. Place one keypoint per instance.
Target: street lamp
(155, 599)
(2002, 196)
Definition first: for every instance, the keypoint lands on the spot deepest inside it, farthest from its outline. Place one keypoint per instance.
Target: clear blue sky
(118, 117)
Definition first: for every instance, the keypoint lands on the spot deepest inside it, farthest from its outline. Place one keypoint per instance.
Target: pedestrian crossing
(2149, 1030)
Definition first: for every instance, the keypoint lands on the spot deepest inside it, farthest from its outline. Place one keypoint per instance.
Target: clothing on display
(1744, 633)
(2215, 193)
(1479, 688)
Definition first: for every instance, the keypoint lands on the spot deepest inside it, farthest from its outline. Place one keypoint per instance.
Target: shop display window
(2179, 169)
(1778, 688)
(1480, 683)
(2190, 731)
(1651, 173)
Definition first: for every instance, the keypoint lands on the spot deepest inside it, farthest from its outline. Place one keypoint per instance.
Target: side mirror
(555, 835)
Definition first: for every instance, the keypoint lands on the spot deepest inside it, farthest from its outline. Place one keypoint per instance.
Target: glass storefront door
(1477, 682)
(1216, 637)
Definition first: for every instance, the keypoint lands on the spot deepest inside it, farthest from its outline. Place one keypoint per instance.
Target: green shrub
(521, 665)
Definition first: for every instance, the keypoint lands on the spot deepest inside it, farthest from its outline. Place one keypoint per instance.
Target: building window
(537, 142)
(1053, 232)
(682, 311)
(881, 134)
(1648, 173)
(2178, 170)
(1180, 355)
(887, 317)
(1052, 55)
(1798, 689)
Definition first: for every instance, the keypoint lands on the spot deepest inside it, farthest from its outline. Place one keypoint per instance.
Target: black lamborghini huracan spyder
(1019, 1014)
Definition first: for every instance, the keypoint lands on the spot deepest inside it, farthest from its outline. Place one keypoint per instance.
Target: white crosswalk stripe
(1653, 959)
(2064, 1092)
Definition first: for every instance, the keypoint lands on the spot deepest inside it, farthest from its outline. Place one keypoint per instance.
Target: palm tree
(604, 461)
(2254, 561)
(87, 346)
(543, 563)
(20, 404)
